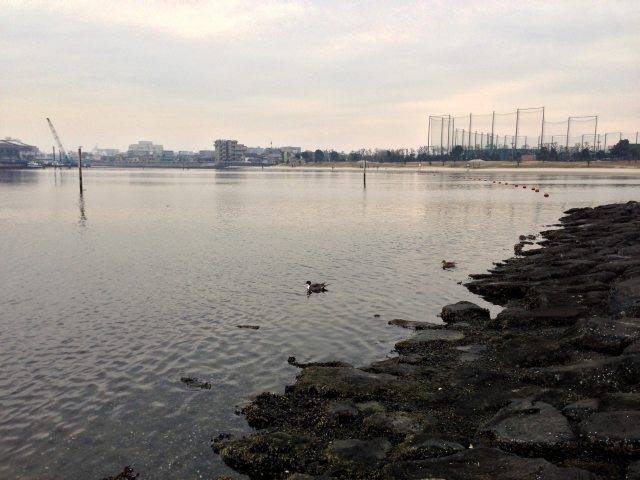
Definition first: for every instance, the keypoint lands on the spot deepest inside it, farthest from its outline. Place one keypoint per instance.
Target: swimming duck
(316, 287)
(446, 264)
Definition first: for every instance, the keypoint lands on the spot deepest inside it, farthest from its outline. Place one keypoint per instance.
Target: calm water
(106, 301)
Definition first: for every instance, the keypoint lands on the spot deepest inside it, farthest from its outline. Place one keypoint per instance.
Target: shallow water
(107, 300)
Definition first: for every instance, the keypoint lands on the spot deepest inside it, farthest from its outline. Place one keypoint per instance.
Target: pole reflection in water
(82, 221)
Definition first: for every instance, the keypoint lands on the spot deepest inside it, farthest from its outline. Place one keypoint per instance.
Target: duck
(316, 287)
(446, 264)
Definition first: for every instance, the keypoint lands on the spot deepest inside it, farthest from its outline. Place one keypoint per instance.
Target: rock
(470, 353)
(396, 423)
(464, 312)
(544, 316)
(527, 351)
(370, 407)
(581, 409)
(633, 348)
(250, 327)
(194, 382)
(633, 472)
(126, 474)
(343, 411)
(424, 445)
(426, 337)
(625, 297)
(268, 456)
(617, 431)
(620, 401)
(599, 375)
(411, 324)
(342, 381)
(528, 428)
(606, 335)
(483, 463)
(357, 456)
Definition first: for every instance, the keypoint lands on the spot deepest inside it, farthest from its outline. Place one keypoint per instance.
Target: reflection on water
(99, 324)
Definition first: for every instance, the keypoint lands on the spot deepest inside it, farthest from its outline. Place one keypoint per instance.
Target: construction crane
(57, 138)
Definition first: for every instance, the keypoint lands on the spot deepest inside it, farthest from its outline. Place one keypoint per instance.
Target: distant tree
(585, 154)
(621, 149)
(553, 153)
(318, 156)
(457, 151)
(355, 156)
(307, 155)
(543, 154)
(334, 156)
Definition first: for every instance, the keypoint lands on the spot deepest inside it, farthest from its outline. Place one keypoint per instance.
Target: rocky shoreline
(548, 389)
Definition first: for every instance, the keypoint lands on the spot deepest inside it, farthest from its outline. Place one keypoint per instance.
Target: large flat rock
(528, 427)
(619, 430)
(625, 297)
(464, 312)
(486, 464)
(343, 381)
(425, 337)
(606, 335)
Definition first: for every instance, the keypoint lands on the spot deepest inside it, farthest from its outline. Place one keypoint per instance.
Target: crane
(60, 147)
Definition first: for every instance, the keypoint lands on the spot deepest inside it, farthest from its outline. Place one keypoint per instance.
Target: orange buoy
(546, 194)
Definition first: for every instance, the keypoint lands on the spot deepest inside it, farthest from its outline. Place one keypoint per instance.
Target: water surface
(106, 300)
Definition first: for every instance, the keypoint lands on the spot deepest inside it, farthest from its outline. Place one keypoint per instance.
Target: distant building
(105, 152)
(15, 151)
(229, 151)
(145, 149)
(206, 155)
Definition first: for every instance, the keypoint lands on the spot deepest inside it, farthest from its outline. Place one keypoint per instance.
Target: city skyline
(328, 75)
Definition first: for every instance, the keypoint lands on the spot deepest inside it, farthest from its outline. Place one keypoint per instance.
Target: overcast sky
(316, 74)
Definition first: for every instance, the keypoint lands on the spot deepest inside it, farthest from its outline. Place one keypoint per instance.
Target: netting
(525, 130)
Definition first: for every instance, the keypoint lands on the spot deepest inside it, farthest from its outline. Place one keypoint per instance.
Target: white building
(145, 149)
(229, 151)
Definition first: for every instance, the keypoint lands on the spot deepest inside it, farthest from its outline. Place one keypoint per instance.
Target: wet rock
(411, 324)
(470, 353)
(618, 431)
(268, 456)
(194, 382)
(464, 312)
(526, 351)
(528, 428)
(370, 407)
(620, 401)
(343, 411)
(127, 473)
(292, 361)
(250, 327)
(343, 381)
(633, 472)
(399, 367)
(633, 348)
(358, 456)
(606, 335)
(424, 445)
(483, 463)
(393, 424)
(581, 409)
(625, 297)
(599, 375)
(426, 337)
(544, 316)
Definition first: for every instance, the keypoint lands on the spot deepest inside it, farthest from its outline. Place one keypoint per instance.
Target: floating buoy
(537, 190)
(533, 188)
(516, 186)
(524, 186)
(546, 194)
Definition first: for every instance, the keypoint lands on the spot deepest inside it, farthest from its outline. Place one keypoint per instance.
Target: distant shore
(475, 165)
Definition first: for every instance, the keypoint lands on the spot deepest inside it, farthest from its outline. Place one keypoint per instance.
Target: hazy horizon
(329, 75)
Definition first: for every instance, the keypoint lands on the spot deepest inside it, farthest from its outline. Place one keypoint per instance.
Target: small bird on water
(446, 264)
(316, 287)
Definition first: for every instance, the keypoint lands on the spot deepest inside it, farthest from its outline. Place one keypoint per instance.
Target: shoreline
(546, 389)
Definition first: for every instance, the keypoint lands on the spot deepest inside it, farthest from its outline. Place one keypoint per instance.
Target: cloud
(189, 19)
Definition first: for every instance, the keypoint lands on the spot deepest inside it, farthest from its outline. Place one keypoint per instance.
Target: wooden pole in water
(364, 175)
(80, 167)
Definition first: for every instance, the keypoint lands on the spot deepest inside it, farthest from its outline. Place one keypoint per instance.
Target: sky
(330, 74)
